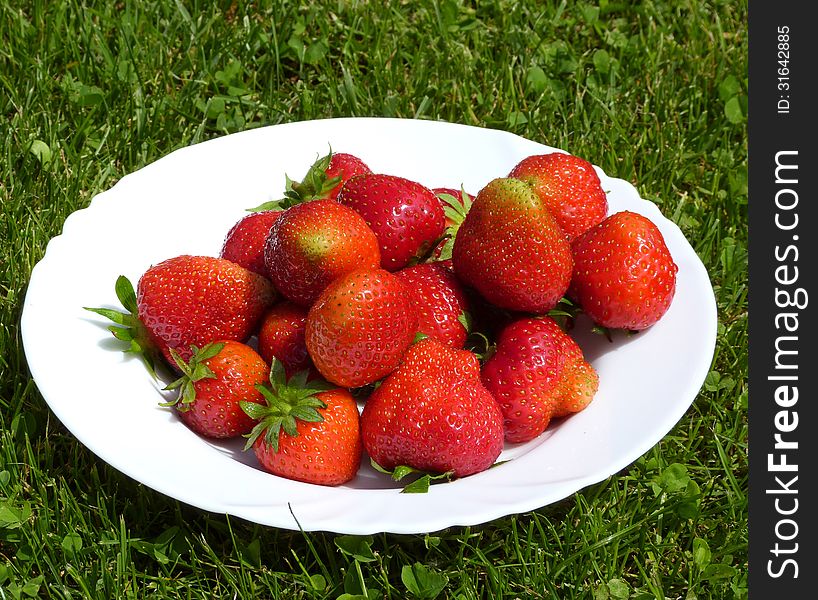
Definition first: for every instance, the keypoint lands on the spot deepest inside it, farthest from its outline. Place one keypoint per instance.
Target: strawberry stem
(314, 186)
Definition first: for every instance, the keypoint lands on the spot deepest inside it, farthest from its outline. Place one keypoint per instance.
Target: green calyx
(194, 370)
(127, 326)
(479, 344)
(455, 210)
(565, 313)
(420, 485)
(287, 402)
(314, 186)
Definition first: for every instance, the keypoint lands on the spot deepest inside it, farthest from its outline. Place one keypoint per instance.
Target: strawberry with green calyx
(244, 242)
(440, 302)
(624, 275)
(189, 300)
(537, 373)
(512, 250)
(323, 181)
(456, 205)
(360, 327)
(216, 380)
(307, 431)
(433, 414)
(570, 188)
(406, 216)
(281, 337)
(312, 244)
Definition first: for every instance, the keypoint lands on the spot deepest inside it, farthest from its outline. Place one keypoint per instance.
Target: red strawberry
(189, 300)
(581, 386)
(360, 327)
(624, 275)
(281, 337)
(433, 414)
(511, 249)
(345, 167)
(306, 431)
(198, 299)
(311, 244)
(537, 373)
(244, 243)
(216, 379)
(406, 216)
(439, 300)
(323, 181)
(568, 186)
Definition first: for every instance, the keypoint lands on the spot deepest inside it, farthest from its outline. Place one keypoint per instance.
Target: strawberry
(439, 300)
(360, 327)
(624, 275)
(188, 300)
(323, 181)
(305, 431)
(511, 249)
(216, 379)
(537, 373)
(433, 414)
(244, 243)
(568, 186)
(407, 217)
(311, 244)
(281, 337)
(344, 167)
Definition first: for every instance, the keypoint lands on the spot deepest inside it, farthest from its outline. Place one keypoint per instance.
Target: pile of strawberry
(442, 313)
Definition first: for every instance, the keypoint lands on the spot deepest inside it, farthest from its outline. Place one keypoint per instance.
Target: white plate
(186, 202)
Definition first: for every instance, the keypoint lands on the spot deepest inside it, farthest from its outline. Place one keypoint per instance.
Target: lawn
(652, 92)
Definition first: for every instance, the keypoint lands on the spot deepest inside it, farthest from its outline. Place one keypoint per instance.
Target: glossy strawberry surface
(624, 275)
(198, 299)
(360, 327)
(440, 302)
(281, 337)
(511, 249)
(433, 414)
(570, 188)
(346, 166)
(537, 373)
(326, 452)
(406, 216)
(311, 244)
(244, 243)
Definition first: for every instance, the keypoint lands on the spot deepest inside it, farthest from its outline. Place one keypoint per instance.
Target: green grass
(652, 92)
